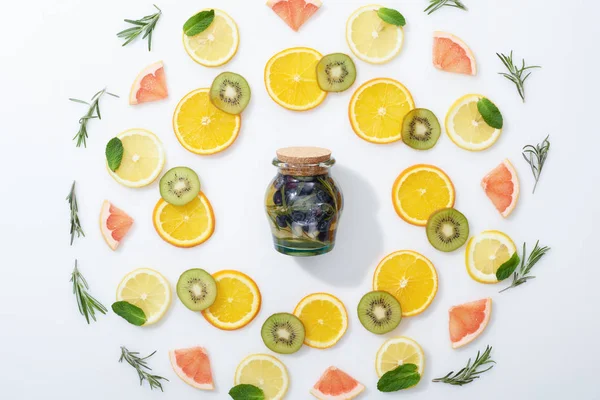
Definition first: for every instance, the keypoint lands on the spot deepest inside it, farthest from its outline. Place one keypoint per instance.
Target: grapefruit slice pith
(335, 384)
(150, 85)
(468, 320)
(501, 185)
(114, 224)
(452, 54)
(294, 12)
(193, 367)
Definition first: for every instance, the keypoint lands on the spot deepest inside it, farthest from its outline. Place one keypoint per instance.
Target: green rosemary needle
(93, 112)
(515, 73)
(142, 368)
(144, 25)
(471, 372)
(521, 275)
(435, 5)
(536, 157)
(75, 224)
(87, 304)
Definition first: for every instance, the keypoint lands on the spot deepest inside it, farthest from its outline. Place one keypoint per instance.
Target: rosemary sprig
(435, 5)
(144, 25)
(142, 368)
(75, 224)
(515, 74)
(87, 304)
(93, 112)
(536, 157)
(521, 275)
(469, 373)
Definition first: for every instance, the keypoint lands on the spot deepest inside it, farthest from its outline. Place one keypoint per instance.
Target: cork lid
(303, 155)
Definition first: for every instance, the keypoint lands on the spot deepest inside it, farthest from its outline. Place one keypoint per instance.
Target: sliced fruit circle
(371, 39)
(266, 372)
(421, 190)
(501, 185)
(237, 303)
(465, 125)
(192, 365)
(377, 109)
(469, 320)
(114, 224)
(410, 277)
(147, 289)
(291, 79)
(217, 44)
(452, 54)
(150, 85)
(184, 226)
(143, 158)
(324, 317)
(335, 384)
(295, 12)
(486, 252)
(201, 127)
(398, 351)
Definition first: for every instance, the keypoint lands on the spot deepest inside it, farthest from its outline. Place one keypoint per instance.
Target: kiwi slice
(421, 129)
(283, 333)
(196, 289)
(179, 186)
(379, 312)
(336, 72)
(447, 229)
(230, 92)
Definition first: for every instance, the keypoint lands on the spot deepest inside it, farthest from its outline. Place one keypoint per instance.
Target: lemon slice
(266, 372)
(398, 351)
(217, 44)
(466, 127)
(486, 252)
(325, 319)
(371, 39)
(143, 158)
(147, 289)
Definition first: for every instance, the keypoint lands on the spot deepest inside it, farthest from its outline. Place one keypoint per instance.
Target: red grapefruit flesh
(468, 320)
(335, 384)
(150, 85)
(501, 185)
(114, 224)
(294, 12)
(193, 367)
(452, 54)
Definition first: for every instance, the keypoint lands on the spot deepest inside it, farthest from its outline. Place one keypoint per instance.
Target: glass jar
(303, 202)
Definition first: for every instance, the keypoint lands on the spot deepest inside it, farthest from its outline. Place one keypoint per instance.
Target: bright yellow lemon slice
(398, 351)
(147, 289)
(266, 372)
(217, 44)
(466, 127)
(486, 252)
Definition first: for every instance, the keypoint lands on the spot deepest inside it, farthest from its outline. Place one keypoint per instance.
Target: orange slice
(501, 186)
(468, 320)
(294, 12)
(335, 384)
(324, 317)
(452, 54)
(114, 224)
(193, 367)
(150, 85)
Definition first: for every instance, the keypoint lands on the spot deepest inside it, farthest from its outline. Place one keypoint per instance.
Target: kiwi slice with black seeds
(379, 312)
(179, 186)
(283, 333)
(447, 229)
(421, 129)
(196, 289)
(230, 92)
(336, 72)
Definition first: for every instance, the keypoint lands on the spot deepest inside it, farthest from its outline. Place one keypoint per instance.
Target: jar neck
(293, 169)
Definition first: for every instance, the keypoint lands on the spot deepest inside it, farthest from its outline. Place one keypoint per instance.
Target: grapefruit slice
(335, 384)
(114, 224)
(452, 54)
(294, 12)
(193, 367)
(150, 85)
(501, 185)
(468, 320)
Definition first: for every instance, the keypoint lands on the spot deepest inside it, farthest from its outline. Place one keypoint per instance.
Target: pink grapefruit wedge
(335, 384)
(193, 367)
(501, 185)
(114, 224)
(452, 54)
(468, 320)
(150, 85)
(294, 12)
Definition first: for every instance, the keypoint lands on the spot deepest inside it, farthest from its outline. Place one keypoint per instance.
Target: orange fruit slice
(150, 85)
(468, 320)
(377, 109)
(324, 317)
(398, 351)
(421, 190)
(237, 303)
(410, 277)
(452, 54)
(184, 226)
(266, 372)
(294, 12)
(192, 365)
(114, 224)
(217, 44)
(501, 185)
(336, 384)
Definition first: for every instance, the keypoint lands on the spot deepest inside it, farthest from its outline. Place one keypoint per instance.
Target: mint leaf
(198, 23)
(402, 377)
(246, 392)
(132, 314)
(508, 267)
(114, 153)
(490, 113)
(391, 16)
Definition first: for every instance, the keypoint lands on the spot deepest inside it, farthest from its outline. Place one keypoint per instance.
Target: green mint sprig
(521, 275)
(246, 392)
(198, 23)
(490, 113)
(402, 377)
(391, 16)
(114, 153)
(130, 312)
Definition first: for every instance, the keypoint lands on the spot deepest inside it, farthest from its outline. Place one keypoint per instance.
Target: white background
(544, 333)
